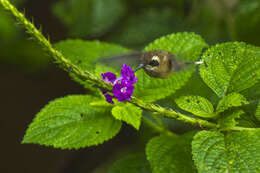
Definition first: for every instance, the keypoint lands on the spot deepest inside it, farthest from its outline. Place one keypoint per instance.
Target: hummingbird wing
(116, 61)
(182, 62)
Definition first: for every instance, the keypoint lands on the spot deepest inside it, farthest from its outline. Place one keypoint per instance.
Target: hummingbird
(156, 63)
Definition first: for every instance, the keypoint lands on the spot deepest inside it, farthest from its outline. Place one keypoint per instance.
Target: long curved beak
(140, 66)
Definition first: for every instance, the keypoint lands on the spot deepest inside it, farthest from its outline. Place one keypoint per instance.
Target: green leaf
(135, 163)
(246, 120)
(230, 67)
(231, 100)
(257, 113)
(235, 152)
(228, 120)
(247, 21)
(89, 17)
(197, 105)
(152, 89)
(170, 154)
(100, 103)
(187, 46)
(84, 54)
(129, 113)
(70, 122)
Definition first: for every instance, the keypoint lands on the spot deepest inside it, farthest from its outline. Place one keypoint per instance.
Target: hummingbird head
(157, 63)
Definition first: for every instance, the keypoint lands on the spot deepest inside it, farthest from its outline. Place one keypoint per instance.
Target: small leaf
(234, 152)
(170, 154)
(231, 100)
(129, 113)
(70, 122)
(228, 120)
(230, 67)
(197, 105)
(84, 54)
(257, 114)
(135, 163)
(183, 45)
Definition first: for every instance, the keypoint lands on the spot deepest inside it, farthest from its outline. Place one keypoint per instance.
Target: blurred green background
(29, 80)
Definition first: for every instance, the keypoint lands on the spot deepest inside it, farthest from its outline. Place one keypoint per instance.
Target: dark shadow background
(24, 91)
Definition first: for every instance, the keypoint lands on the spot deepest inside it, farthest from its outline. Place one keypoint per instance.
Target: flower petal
(128, 74)
(108, 77)
(123, 91)
(108, 97)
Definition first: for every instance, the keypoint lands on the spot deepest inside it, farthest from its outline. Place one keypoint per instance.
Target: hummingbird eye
(154, 63)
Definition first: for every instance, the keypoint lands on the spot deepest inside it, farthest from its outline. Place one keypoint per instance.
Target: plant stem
(67, 65)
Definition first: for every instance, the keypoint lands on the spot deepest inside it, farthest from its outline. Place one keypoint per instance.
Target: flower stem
(67, 65)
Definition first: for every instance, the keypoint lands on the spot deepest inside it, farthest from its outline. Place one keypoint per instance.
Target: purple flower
(108, 77)
(123, 86)
(128, 74)
(123, 90)
(108, 97)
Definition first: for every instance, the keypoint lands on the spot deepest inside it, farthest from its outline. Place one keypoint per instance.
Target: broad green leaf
(84, 54)
(230, 67)
(235, 152)
(102, 68)
(231, 100)
(247, 21)
(70, 122)
(257, 114)
(100, 103)
(129, 113)
(135, 163)
(185, 46)
(228, 120)
(170, 154)
(197, 105)
(152, 89)
(141, 28)
(89, 17)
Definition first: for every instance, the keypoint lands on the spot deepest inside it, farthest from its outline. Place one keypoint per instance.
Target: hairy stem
(67, 65)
